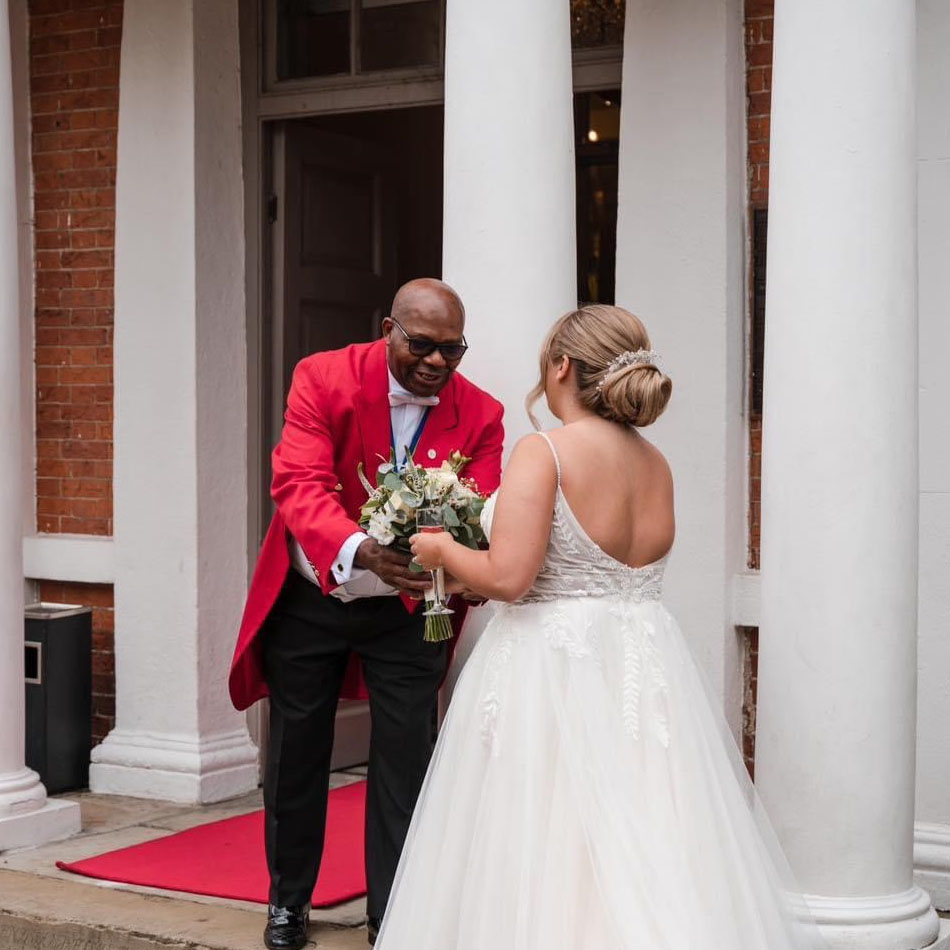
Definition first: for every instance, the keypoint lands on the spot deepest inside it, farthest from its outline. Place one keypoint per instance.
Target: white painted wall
(932, 851)
(181, 406)
(680, 267)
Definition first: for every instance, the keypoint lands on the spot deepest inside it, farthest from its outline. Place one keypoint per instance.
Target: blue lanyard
(415, 438)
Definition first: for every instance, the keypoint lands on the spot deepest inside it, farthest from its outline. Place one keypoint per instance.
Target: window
(597, 23)
(348, 38)
(334, 41)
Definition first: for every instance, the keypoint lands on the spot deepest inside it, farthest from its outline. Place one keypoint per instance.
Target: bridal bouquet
(389, 514)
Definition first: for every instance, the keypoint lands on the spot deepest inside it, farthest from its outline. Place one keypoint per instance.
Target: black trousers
(306, 644)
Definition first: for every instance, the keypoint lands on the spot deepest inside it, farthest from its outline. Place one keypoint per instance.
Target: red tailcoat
(338, 416)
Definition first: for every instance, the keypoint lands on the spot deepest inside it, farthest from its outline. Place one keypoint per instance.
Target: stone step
(45, 913)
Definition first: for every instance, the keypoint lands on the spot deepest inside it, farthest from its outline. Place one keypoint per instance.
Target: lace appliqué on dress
(563, 635)
(496, 667)
(644, 677)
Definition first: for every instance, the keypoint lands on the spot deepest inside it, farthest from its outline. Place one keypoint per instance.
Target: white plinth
(51, 822)
(175, 768)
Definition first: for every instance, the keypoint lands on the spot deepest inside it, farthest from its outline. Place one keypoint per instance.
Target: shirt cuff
(343, 569)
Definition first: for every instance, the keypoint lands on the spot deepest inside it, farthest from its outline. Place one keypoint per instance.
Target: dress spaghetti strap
(557, 461)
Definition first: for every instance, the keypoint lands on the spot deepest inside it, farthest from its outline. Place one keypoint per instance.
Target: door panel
(333, 253)
(338, 254)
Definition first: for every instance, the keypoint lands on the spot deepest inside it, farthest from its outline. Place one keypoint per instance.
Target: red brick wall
(74, 92)
(750, 691)
(758, 47)
(99, 597)
(74, 85)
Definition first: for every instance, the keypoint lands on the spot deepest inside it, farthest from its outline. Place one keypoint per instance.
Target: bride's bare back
(619, 487)
(616, 483)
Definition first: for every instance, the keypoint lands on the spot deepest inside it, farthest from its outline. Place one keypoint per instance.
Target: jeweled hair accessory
(629, 358)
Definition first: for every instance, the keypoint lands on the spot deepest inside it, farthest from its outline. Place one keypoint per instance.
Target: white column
(680, 257)
(180, 431)
(509, 240)
(26, 816)
(509, 244)
(837, 674)
(932, 838)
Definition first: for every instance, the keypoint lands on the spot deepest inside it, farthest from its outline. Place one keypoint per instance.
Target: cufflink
(432, 453)
(338, 486)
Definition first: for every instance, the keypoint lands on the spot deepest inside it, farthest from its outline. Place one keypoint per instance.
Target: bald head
(427, 293)
(426, 314)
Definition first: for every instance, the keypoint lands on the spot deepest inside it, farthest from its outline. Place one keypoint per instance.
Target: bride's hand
(453, 585)
(427, 548)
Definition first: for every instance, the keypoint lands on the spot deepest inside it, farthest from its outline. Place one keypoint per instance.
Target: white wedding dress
(584, 794)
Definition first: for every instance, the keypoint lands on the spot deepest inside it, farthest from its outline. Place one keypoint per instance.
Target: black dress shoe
(372, 929)
(286, 927)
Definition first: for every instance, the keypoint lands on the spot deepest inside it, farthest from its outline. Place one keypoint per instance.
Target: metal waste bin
(58, 668)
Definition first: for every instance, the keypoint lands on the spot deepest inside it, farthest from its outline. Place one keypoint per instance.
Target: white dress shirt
(356, 582)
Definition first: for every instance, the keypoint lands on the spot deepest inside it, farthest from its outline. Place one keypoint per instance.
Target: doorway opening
(355, 211)
(343, 165)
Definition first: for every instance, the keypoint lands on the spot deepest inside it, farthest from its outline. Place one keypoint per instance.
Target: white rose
(380, 528)
(443, 479)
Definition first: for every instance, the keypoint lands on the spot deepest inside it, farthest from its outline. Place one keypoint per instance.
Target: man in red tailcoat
(323, 592)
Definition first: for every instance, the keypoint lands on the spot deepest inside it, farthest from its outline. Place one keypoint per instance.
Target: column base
(20, 792)
(174, 767)
(905, 921)
(932, 861)
(943, 939)
(27, 817)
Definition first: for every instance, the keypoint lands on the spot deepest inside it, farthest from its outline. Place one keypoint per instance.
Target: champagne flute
(429, 520)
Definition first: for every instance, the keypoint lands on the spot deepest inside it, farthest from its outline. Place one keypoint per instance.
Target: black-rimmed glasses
(422, 346)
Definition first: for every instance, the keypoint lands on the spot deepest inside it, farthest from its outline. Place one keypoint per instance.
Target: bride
(584, 794)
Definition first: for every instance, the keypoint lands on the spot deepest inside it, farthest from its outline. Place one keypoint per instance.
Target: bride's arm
(520, 530)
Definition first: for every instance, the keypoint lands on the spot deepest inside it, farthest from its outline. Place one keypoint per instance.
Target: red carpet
(226, 858)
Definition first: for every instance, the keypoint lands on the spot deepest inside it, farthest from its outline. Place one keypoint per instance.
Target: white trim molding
(932, 861)
(746, 598)
(74, 558)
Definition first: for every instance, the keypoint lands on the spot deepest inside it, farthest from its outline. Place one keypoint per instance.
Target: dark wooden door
(334, 247)
(333, 279)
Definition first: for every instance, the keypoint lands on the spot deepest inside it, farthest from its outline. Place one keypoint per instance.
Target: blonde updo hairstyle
(592, 338)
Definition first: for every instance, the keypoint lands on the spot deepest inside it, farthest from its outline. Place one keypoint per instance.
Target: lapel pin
(432, 453)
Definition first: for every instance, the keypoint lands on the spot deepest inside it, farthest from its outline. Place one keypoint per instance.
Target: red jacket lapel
(373, 407)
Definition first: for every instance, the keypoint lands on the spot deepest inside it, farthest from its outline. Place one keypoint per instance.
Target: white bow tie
(408, 399)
